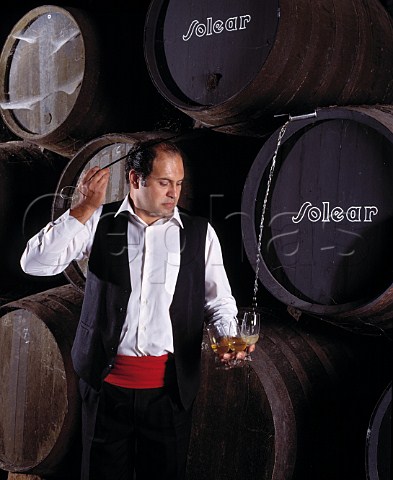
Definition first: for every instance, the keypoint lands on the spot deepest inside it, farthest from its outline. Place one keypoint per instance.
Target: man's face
(158, 195)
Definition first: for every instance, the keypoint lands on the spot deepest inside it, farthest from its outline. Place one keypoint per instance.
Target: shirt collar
(127, 207)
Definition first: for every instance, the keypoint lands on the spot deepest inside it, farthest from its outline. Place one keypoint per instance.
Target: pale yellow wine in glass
(218, 340)
(250, 328)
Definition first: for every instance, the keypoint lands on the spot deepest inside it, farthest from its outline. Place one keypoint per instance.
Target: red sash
(138, 372)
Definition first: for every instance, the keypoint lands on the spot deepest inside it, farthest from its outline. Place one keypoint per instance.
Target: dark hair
(140, 157)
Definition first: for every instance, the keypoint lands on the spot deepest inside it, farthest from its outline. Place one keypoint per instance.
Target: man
(155, 275)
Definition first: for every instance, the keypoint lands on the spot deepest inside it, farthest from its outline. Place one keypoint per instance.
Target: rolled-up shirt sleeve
(220, 305)
(52, 249)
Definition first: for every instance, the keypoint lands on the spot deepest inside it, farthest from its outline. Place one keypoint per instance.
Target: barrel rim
(89, 81)
(376, 419)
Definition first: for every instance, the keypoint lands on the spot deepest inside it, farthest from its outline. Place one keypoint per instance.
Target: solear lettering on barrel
(336, 214)
(230, 24)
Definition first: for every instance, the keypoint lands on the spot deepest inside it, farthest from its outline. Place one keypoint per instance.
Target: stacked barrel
(284, 110)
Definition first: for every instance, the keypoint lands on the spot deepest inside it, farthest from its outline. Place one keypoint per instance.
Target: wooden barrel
(65, 78)
(236, 65)
(379, 439)
(39, 417)
(205, 190)
(326, 234)
(298, 411)
(28, 179)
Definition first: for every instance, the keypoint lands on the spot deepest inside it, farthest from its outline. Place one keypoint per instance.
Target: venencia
(335, 214)
(230, 24)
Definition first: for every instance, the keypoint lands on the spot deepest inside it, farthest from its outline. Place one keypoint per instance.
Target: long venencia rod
(64, 190)
(194, 131)
(151, 143)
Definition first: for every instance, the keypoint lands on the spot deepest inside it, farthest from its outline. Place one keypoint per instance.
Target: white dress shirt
(154, 260)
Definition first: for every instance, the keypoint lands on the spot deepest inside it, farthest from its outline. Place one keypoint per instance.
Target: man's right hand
(93, 189)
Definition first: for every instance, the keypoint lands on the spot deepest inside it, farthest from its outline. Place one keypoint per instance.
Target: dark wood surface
(312, 260)
(300, 410)
(39, 394)
(303, 55)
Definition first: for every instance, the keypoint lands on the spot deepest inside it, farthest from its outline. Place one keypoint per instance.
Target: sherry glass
(250, 329)
(219, 342)
(236, 343)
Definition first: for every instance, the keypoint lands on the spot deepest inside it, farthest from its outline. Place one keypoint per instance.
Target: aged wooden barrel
(236, 65)
(379, 438)
(28, 179)
(298, 411)
(65, 78)
(209, 156)
(326, 246)
(39, 417)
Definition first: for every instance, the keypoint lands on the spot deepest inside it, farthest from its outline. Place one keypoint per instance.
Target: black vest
(107, 292)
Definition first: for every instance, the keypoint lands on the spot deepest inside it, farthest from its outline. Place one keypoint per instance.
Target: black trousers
(133, 434)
